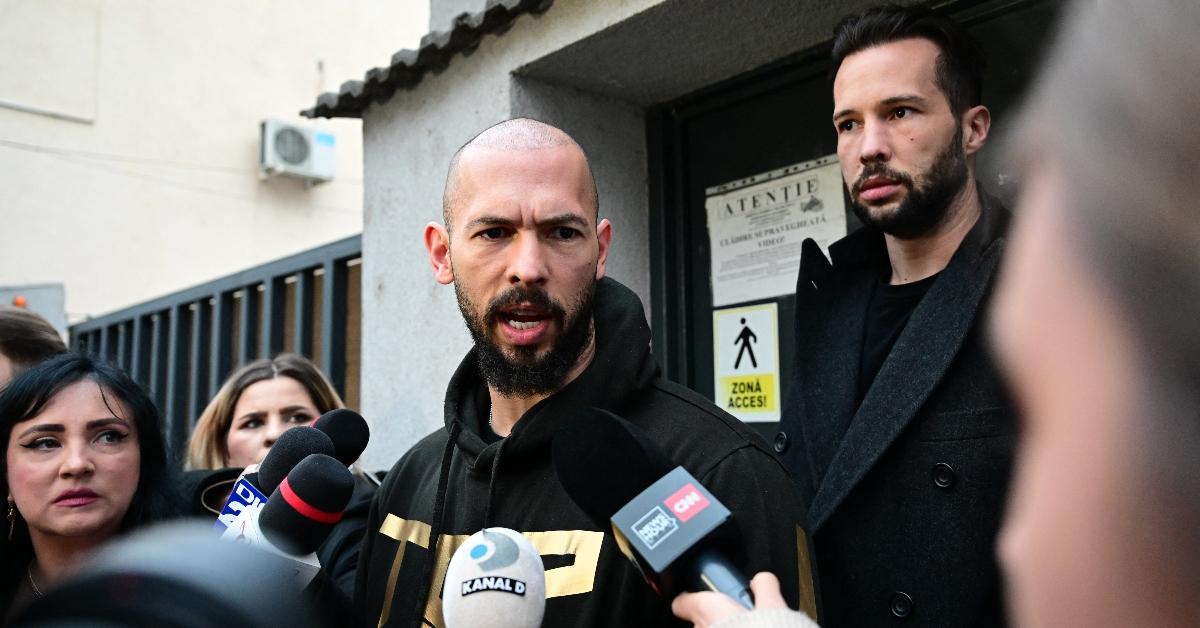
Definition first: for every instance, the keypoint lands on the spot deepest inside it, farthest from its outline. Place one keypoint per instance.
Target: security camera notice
(756, 225)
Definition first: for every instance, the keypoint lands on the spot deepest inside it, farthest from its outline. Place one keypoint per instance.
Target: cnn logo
(687, 502)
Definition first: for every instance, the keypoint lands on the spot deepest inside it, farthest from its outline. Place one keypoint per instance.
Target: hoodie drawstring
(435, 531)
(492, 483)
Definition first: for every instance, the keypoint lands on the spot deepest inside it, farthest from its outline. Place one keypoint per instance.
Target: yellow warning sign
(746, 361)
(749, 393)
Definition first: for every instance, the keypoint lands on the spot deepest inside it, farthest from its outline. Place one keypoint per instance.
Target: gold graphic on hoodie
(578, 577)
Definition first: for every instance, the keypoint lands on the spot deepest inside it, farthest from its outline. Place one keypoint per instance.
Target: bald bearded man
(524, 247)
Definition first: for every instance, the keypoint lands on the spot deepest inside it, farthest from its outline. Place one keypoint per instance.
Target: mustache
(525, 294)
(878, 169)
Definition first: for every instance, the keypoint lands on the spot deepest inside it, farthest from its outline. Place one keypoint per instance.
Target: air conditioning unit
(296, 151)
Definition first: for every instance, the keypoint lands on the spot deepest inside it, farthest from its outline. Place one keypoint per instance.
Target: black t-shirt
(888, 313)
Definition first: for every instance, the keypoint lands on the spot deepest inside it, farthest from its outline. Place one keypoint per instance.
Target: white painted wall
(129, 136)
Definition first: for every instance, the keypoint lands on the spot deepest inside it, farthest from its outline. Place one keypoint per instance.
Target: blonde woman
(258, 402)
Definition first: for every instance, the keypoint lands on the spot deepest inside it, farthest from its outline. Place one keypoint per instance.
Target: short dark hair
(26, 395)
(960, 66)
(26, 338)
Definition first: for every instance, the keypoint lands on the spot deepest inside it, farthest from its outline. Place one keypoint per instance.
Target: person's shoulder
(421, 459)
(694, 417)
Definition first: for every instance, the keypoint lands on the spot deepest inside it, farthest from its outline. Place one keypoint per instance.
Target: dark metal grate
(182, 346)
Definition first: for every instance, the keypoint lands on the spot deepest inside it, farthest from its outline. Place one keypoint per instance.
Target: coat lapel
(827, 331)
(913, 369)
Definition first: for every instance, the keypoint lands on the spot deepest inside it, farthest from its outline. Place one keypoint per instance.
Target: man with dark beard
(524, 247)
(897, 429)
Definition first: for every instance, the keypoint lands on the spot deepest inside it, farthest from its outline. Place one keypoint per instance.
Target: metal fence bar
(248, 327)
(122, 354)
(302, 333)
(201, 355)
(174, 407)
(333, 323)
(220, 362)
(158, 360)
(273, 304)
(139, 366)
(102, 351)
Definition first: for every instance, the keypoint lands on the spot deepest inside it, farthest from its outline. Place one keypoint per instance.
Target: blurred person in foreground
(1095, 323)
(25, 340)
(256, 404)
(84, 462)
(526, 251)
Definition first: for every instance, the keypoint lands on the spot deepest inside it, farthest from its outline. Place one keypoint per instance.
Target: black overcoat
(905, 492)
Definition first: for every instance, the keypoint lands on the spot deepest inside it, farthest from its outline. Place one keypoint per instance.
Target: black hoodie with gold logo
(446, 492)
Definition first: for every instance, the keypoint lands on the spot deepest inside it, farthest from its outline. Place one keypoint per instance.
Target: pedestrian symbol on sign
(745, 338)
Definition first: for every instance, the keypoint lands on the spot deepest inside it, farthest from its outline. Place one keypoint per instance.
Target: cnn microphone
(495, 580)
(347, 430)
(257, 482)
(663, 519)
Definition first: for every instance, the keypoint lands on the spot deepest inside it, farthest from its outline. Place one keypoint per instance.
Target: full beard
(925, 208)
(524, 373)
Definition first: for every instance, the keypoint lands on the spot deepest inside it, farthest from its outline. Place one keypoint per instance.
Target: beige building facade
(129, 137)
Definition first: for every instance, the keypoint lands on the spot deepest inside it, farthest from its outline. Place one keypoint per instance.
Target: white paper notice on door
(756, 226)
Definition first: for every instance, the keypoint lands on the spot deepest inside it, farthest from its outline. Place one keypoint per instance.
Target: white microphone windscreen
(495, 579)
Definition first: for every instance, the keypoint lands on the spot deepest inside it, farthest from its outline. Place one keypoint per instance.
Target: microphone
(663, 519)
(259, 481)
(347, 430)
(307, 504)
(299, 514)
(495, 580)
(289, 449)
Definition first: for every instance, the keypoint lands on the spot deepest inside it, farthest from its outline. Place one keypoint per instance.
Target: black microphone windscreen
(291, 447)
(603, 462)
(348, 431)
(304, 508)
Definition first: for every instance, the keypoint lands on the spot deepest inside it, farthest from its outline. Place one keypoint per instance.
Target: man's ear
(604, 239)
(437, 242)
(975, 124)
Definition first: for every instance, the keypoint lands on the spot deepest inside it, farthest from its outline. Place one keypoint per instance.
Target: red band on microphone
(303, 507)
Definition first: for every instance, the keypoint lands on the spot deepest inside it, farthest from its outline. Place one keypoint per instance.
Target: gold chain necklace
(29, 572)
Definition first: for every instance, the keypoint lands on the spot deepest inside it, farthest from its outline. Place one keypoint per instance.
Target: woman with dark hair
(84, 462)
(25, 340)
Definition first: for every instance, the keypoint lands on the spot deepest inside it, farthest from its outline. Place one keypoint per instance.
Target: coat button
(901, 604)
(943, 475)
(781, 442)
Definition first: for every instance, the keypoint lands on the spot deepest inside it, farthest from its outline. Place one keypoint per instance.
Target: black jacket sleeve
(768, 513)
(339, 554)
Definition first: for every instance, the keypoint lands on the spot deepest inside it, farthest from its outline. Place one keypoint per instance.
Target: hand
(707, 607)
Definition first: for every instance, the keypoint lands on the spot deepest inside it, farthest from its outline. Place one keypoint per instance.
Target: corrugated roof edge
(410, 66)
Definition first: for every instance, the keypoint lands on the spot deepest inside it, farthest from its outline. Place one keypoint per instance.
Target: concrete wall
(590, 67)
(129, 136)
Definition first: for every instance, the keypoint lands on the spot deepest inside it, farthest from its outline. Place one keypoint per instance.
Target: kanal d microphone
(663, 518)
(496, 579)
(347, 430)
